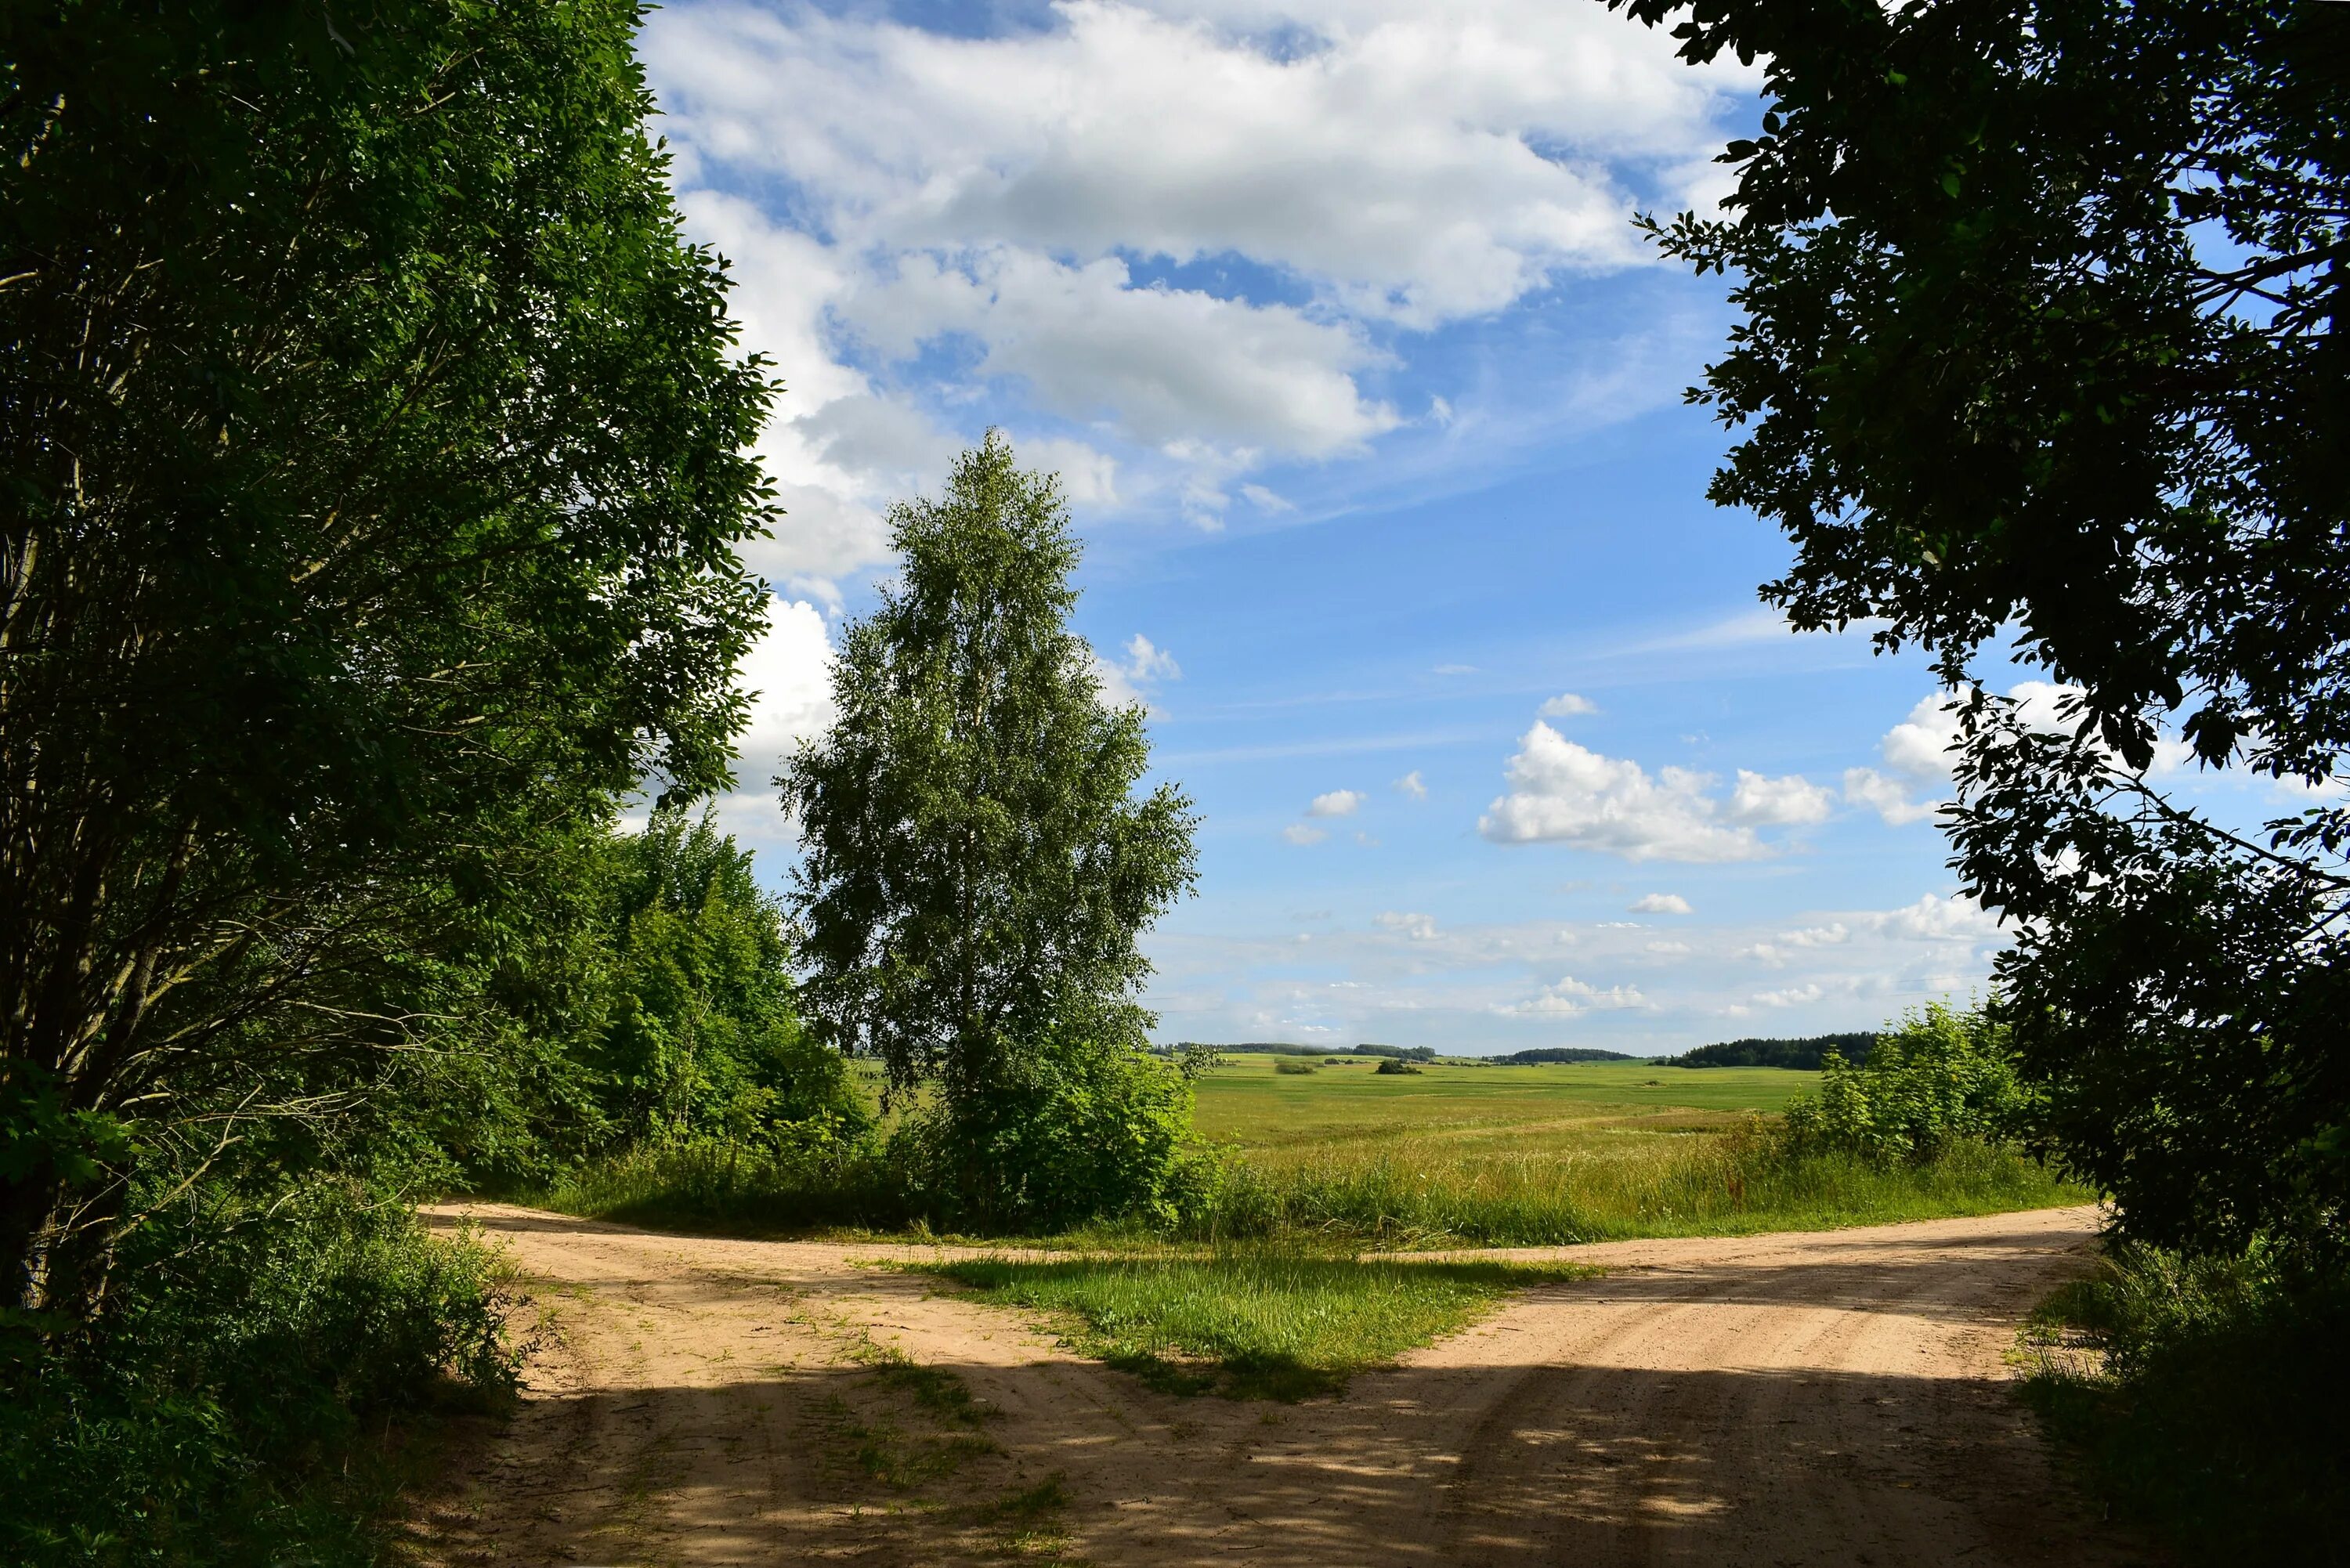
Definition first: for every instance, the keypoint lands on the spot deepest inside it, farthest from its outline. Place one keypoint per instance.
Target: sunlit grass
(1254, 1323)
(1556, 1155)
(1423, 1192)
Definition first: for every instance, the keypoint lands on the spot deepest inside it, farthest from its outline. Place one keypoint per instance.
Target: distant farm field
(1473, 1108)
(1571, 1152)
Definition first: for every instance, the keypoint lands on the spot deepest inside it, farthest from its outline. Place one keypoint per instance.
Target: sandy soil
(1833, 1399)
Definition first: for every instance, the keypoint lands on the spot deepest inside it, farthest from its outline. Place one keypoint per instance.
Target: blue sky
(1367, 396)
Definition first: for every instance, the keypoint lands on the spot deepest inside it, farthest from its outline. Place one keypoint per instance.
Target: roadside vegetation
(2205, 1395)
(1457, 1155)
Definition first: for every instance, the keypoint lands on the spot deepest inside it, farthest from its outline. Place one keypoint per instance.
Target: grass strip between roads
(1271, 1324)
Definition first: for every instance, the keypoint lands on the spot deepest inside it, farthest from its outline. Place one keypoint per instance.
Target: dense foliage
(228, 1408)
(1938, 1077)
(977, 866)
(375, 451)
(1806, 1054)
(2040, 353)
(2208, 1396)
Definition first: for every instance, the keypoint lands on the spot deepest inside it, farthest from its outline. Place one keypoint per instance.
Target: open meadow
(1538, 1155)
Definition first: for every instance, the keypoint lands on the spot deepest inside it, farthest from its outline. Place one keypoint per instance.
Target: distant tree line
(1551, 1054)
(1290, 1048)
(1804, 1053)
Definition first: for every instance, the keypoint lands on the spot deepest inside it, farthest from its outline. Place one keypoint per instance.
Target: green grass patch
(1264, 1324)
(1249, 1104)
(937, 1390)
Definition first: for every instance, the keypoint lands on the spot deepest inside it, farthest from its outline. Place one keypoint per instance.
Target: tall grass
(1432, 1191)
(741, 1188)
(2208, 1398)
(1688, 1185)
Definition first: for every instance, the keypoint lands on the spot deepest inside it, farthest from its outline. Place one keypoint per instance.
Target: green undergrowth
(715, 1186)
(258, 1389)
(1249, 1322)
(2207, 1401)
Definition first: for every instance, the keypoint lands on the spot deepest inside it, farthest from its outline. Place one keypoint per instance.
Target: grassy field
(1249, 1106)
(1548, 1154)
(1246, 1097)
(1265, 1323)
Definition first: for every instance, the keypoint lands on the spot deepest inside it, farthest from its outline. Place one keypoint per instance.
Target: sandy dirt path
(1833, 1398)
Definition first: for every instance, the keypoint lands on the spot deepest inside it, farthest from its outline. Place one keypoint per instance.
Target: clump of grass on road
(1247, 1323)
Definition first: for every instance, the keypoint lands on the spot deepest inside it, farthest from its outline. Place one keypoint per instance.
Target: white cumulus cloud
(1781, 802)
(1920, 744)
(1567, 705)
(1336, 802)
(946, 218)
(1888, 797)
(1410, 788)
(1659, 904)
(1299, 833)
(1935, 919)
(1127, 681)
(1561, 792)
(788, 672)
(1571, 996)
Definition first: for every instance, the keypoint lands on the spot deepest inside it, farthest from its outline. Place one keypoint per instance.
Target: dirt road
(1834, 1398)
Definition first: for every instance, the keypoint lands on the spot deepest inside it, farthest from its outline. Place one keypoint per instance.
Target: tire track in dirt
(1836, 1397)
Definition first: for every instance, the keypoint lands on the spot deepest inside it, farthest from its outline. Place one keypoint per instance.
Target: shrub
(1394, 1064)
(1087, 1126)
(1938, 1077)
(213, 1412)
(1294, 1069)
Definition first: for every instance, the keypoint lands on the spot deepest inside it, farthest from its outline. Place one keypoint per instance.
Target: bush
(1294, 1069)
(2210, 1397)
(1082, 1128)
(1937, 1077)
(215, 1412)
(1393, 1065)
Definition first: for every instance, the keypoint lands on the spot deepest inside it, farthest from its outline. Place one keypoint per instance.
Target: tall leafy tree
(374, 450)
(2042, 354)
(977, 864)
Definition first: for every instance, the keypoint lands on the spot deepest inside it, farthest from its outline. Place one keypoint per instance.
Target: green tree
(2041, 353)
(702, 1034)
(374, 455)
(977, 867)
